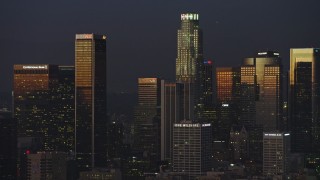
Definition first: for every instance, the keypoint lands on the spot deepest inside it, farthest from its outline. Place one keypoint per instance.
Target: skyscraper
(147, 121)
(189, 61)
(209, 83)
(34, 103)
(208, 95)
(228, 93)
(304, 100)
(228, 84)
(90, 88)
(43, 109)
(65, 107)
(171, 112)
(189, 53)
(260, 100)
(192, 148)
(261, 85)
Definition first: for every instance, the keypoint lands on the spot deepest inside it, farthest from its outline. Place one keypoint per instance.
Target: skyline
(62, 106)
(43, 33)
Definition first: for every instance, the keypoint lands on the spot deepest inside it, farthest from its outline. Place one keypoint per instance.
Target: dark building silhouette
(26, 146)
(205, 108)
(171, 112)
(227, 107)
(209, 84)
(8, 144)
(304, 100)
(239, 144)
(90, 101)
(49, 165)
(147, 122)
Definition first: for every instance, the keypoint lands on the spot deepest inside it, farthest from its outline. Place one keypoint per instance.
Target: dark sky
(141, 34)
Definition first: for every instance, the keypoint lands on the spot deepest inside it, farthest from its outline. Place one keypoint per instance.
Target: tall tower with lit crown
(190, 51)
(189, 62)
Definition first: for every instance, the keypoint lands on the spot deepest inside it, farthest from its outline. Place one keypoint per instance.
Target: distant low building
(101, 174)
(49, 165)
(238, 143)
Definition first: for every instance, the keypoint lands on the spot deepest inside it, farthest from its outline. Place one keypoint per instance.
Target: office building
(228, 94)
(276, 149)
(228, 84)
(260, 100)
(261, 87)
(25, 146)
(34, 108)
(44, 104)
(171, 112)
(304, 100)
(209, 85)
(188, 101)
(147, 121)
(189, 62)
(192, 149)
(48, 165)
(43, 98)
(65, 108)
(189, 52)
(207, 92)
(90, 101)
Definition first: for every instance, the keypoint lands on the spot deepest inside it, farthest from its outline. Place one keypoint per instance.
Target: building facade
(48, 165)
(228, 84)
(261, 86)
(147, 121)
(189, 62)
(44, 104)
(207, 93)
(189, 52)
(238, 144)
(276, 149)
(192, 149)
(228, 107)
(171, 112)
(304, 100)
(90, 101)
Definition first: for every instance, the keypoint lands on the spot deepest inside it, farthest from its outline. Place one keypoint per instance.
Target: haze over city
(160, 90)
(141, 35)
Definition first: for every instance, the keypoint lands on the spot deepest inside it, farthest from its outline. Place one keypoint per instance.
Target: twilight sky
(141, 34)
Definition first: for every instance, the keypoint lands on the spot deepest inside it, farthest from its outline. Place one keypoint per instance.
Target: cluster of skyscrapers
(256, 117)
